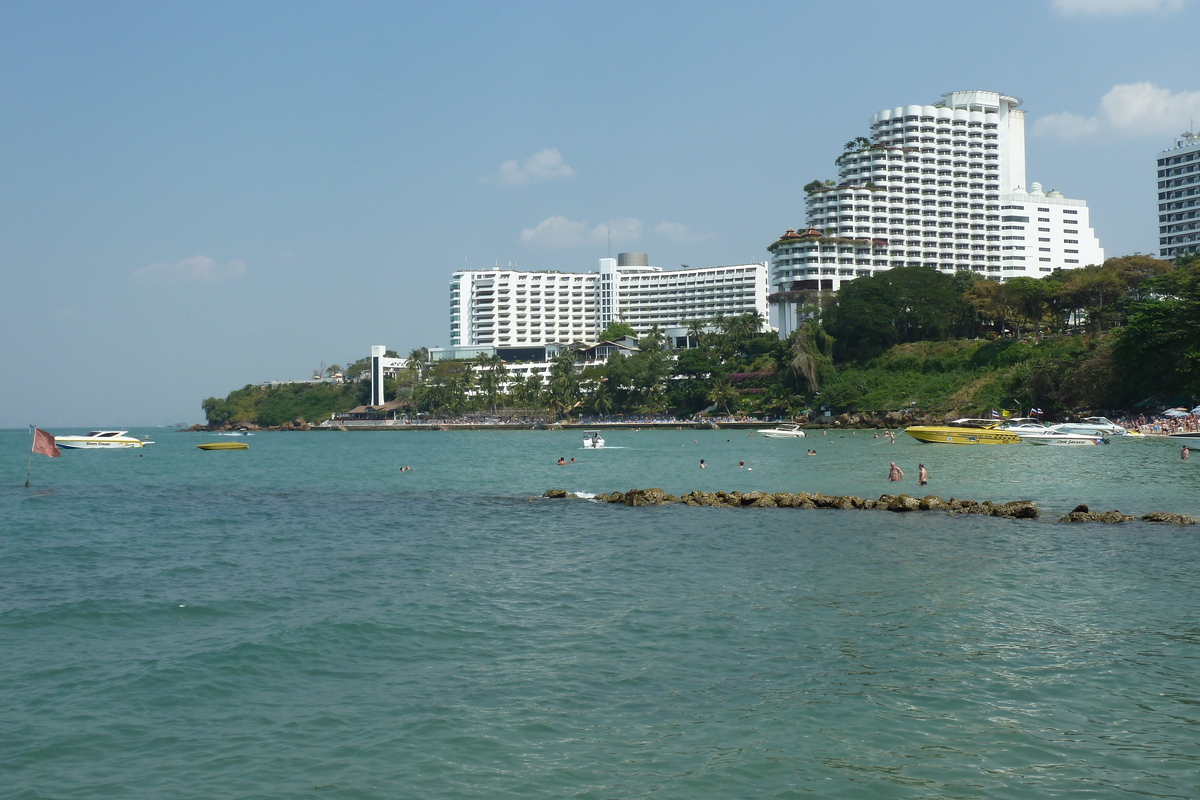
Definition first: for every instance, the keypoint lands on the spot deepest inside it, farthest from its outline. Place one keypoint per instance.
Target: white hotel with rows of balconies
(504, 308)
(939, 186)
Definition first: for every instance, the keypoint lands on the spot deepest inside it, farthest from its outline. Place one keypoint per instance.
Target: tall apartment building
(940, 186)
(1179, 197)
(507, 308)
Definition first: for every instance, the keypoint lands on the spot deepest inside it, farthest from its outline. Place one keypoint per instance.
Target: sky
(199, 196)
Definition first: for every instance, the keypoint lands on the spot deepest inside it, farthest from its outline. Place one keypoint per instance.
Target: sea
(307, 618)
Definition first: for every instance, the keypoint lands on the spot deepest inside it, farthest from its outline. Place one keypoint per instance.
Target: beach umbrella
(1174, 412)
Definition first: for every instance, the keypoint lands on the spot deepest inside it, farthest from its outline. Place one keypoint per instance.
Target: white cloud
(1129, 109)
(1114, 8)
(680, 233)
(196, 268)
(543, 165)
(563, 232)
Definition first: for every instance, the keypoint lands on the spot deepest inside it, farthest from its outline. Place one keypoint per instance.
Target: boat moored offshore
(100, 440)
(787, 430)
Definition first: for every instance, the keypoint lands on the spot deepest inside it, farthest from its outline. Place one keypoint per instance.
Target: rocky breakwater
(1018, 509)
(1082, 513)
(900, 503)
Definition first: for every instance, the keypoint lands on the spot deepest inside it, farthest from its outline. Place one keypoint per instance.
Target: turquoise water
(302, 619)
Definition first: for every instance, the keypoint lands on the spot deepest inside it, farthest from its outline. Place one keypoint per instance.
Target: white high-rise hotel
(1179, 197)
(940, 186)
(510, 309)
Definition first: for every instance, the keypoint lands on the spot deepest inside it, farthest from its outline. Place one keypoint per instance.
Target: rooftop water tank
(633, 260)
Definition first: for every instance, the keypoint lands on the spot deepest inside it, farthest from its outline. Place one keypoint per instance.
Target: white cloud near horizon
(680, 233)
(563, 232)
(1127, 110)
(196, 268)
(1114, 8)
(544, 165)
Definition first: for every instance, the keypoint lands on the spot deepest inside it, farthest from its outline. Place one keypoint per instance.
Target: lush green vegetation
(1105, 336)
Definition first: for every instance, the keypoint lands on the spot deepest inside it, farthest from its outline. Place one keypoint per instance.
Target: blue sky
(198, 196)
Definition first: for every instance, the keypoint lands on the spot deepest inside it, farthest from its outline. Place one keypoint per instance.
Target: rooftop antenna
(607, 228)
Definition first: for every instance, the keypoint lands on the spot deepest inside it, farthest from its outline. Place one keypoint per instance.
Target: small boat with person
(785, 431)
(592, 440)
(100, 440)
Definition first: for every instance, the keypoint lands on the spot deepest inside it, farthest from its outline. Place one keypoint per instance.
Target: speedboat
(1091, 426)
(592, 440)
(235, 433)
(100, 440)
(1060, 438)
(1190, 439)
(785, 431)
(224, 446)
(964, 431)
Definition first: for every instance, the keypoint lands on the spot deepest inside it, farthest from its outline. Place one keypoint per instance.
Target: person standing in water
(895, 473)
(922, 474)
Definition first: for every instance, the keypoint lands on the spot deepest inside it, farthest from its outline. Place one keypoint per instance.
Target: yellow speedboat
(224, 446)
(964, 431)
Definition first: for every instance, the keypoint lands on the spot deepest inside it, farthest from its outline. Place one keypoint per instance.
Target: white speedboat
(592, 440)
(785, 431)
(1091, 426)
(1060, 438)
(1189, 439)
(100, 440)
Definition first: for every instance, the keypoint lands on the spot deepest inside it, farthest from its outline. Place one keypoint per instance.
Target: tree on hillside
(1159, 347)
(617, 330)
(907, 304)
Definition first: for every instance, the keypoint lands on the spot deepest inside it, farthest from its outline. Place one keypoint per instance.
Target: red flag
(44, 443)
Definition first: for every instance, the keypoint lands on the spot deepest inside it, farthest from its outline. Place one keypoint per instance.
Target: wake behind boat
(100, 440)
(785, 431)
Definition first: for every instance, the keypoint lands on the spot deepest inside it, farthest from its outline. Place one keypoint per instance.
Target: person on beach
(895, 473)
(922, 475)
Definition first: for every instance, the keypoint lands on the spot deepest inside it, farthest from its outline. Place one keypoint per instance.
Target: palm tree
(722, 394)
(418, 359)
(564, 383)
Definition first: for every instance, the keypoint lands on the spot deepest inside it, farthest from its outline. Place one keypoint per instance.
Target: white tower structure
(1179, 197)
(381, 363)
(939, 186)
